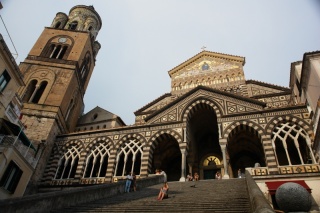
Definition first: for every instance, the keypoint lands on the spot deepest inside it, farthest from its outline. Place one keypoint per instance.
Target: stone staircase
(207, 196)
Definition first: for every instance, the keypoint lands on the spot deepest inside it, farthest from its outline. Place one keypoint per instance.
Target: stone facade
(212, 120)
(182, 133)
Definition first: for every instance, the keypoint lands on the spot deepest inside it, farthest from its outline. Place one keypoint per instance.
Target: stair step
(227, 196)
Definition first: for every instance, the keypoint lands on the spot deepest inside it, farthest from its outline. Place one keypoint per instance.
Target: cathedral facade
(212, 120)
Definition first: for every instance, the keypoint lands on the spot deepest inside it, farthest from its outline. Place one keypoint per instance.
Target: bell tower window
(73, 25)
(57, 25)
(58, 51)
(30, 90)
(85, 68)
(34, 91)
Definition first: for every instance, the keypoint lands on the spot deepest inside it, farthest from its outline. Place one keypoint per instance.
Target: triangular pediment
(224, 103)
(208, 69)
(205, 63)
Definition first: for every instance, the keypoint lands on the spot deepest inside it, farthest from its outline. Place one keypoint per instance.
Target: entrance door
(209, 174)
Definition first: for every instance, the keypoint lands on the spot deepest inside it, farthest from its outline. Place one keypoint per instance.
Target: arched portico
(245, 149)
(202, 138)
(167, 156)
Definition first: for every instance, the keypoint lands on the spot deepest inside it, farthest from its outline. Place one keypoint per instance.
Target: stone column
(34, 92)
(225, 166)
(183, 165)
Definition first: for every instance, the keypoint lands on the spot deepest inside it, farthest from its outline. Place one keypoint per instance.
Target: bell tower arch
(56, 72)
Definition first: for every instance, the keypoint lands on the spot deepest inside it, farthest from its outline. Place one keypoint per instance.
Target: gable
(256, 88)
(100, 116)
(223, 103)
(209, 69)
(206, 61)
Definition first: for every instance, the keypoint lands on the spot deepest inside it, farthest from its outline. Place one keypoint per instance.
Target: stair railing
(258, 201)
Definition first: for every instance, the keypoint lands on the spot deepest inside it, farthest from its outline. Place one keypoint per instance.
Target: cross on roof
(203, 48)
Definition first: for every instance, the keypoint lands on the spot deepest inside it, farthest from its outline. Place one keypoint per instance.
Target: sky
(143, 39)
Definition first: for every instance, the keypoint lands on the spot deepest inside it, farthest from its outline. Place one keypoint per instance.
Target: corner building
(213, 119)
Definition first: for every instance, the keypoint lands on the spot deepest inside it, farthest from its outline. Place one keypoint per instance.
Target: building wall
(11, 154)
(8, 63)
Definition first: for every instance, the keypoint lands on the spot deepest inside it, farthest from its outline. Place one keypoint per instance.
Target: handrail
(259, 203)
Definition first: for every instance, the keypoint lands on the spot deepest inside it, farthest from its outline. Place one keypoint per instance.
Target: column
(183, 165)
(225, 166)
(34, 93)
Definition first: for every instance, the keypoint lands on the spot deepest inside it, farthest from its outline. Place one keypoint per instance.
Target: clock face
(62, 40)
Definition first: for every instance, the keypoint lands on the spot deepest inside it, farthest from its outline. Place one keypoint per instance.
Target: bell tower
(56, 72)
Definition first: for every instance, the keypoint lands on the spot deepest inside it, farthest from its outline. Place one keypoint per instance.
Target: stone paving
(221, 196)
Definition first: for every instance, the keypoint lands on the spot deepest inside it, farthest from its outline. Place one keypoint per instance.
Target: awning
(273, 186)
(15, 129)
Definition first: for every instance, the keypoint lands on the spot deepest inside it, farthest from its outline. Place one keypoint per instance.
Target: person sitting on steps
(163, 192)
(196, 176)
(189, 177)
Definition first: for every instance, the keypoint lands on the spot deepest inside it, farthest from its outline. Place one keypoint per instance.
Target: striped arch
(153, 143)
(106, 140)
(289, 118)
(99, 147)
(70, 144)
(71, 159)
(198, 104)
(247, 125)
(287, 130)
(131, 147)
(246, 146)
(137, 136)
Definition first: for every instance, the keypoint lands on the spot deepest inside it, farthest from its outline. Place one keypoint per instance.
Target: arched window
(292, 145)
(30, 91)
(71, 105)
(129, 158)
(85, 68)
(38, 92)
(58, 24)
(68, 163)
(73, 25)
(57, 51)
(97, 162)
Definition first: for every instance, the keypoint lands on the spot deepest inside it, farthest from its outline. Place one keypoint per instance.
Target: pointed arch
(245, 146)
(164, 153)
(68, 162)
(129, 154)
(237, 125)
(291, 141)
(97, 160)
(197, 104)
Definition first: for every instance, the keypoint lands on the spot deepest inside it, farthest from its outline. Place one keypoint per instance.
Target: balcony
(26, 152)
